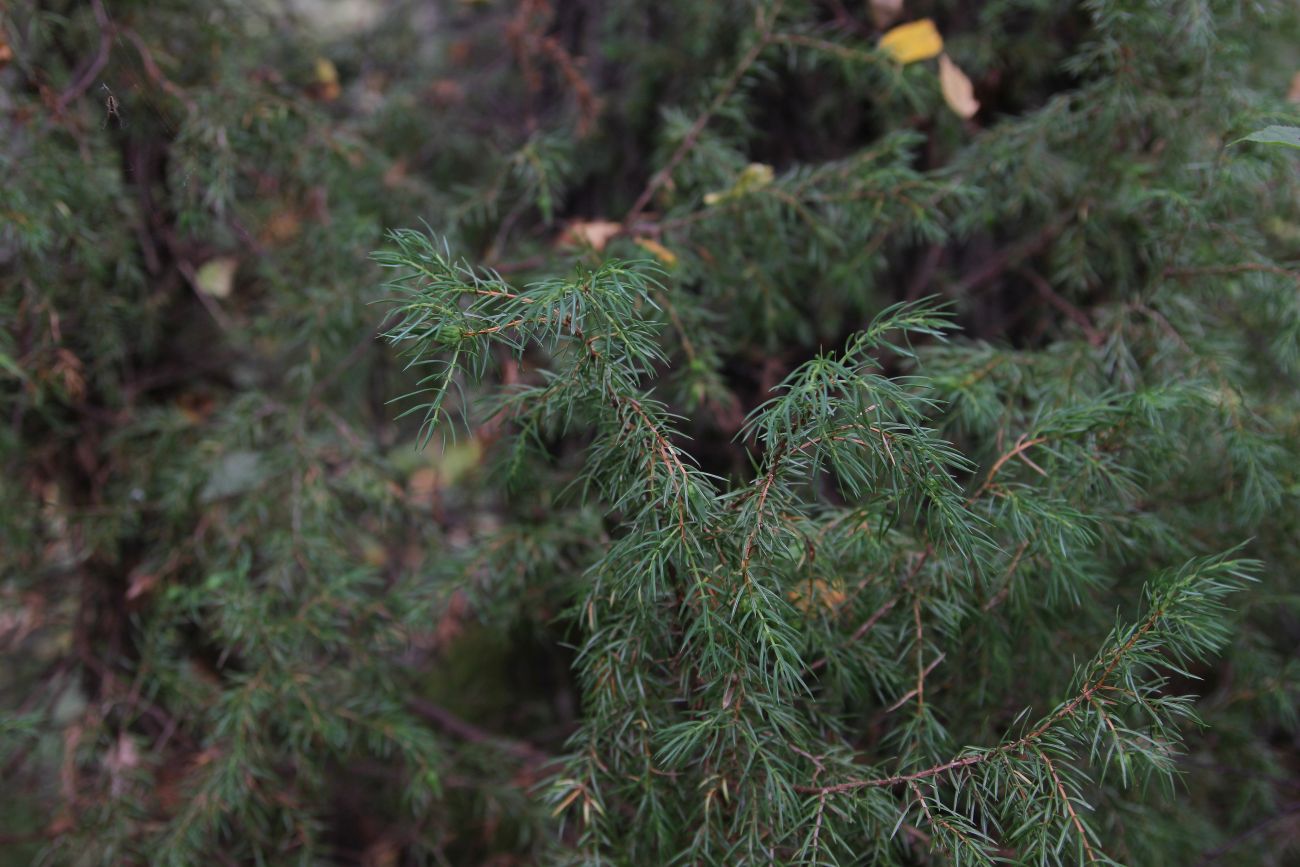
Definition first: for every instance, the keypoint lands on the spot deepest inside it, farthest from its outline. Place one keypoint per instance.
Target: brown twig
(108, 30)
(929, 817)
(668, 454)
(1069, 806)
(861, 630)
(1051, 296)
(86, 79)
(1022, 444)
(843, 52)
(917, 691)
(872, 620)
(1008, 257)
(688, 142)
(998, 598)
(751, 540)
(454, 725)
(588, 102)
(924, 272)
(154, 72)
(1017, 746)
(920, 656)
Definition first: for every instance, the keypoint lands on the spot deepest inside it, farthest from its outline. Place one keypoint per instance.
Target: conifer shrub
(801, 432)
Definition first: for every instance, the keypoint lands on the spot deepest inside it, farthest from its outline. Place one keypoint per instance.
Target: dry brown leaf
(1293, 93)
(590, 233)
(819, 593)
(70, 369)
(958, 92)
(913, 41)
(195, 407)
(659, 251)
(6, 53)
(885, 12)
(280, 227)
(395, 175)
(142, 581)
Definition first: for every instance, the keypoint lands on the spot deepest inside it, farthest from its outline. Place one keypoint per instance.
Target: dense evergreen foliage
(559, 431)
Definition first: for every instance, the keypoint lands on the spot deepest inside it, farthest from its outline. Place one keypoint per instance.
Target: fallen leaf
(885, 12)
(142, 581)
(958, 92)
(819, 593)
(325, 86)
(447, 468)
(754, 176)
(395, 175)
(590, 233)
(458, 460)
(216, 277)
(69, 368)
(1293, 92)
(659, 251)
(913, 41)
(280, 227)
(6, 53)
(195, 408)
(374, 553)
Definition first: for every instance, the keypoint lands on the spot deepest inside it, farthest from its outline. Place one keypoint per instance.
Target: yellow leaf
(591, 233)
(752, 177)
(913, 41)
(326, 85)
(459, 459)
(659, 251)
(374, 553)
(216, 277)
(958, 92)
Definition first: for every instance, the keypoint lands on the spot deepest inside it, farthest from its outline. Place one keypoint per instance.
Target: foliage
(766, 464)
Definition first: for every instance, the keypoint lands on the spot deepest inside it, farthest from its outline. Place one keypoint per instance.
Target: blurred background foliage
(233, 603)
